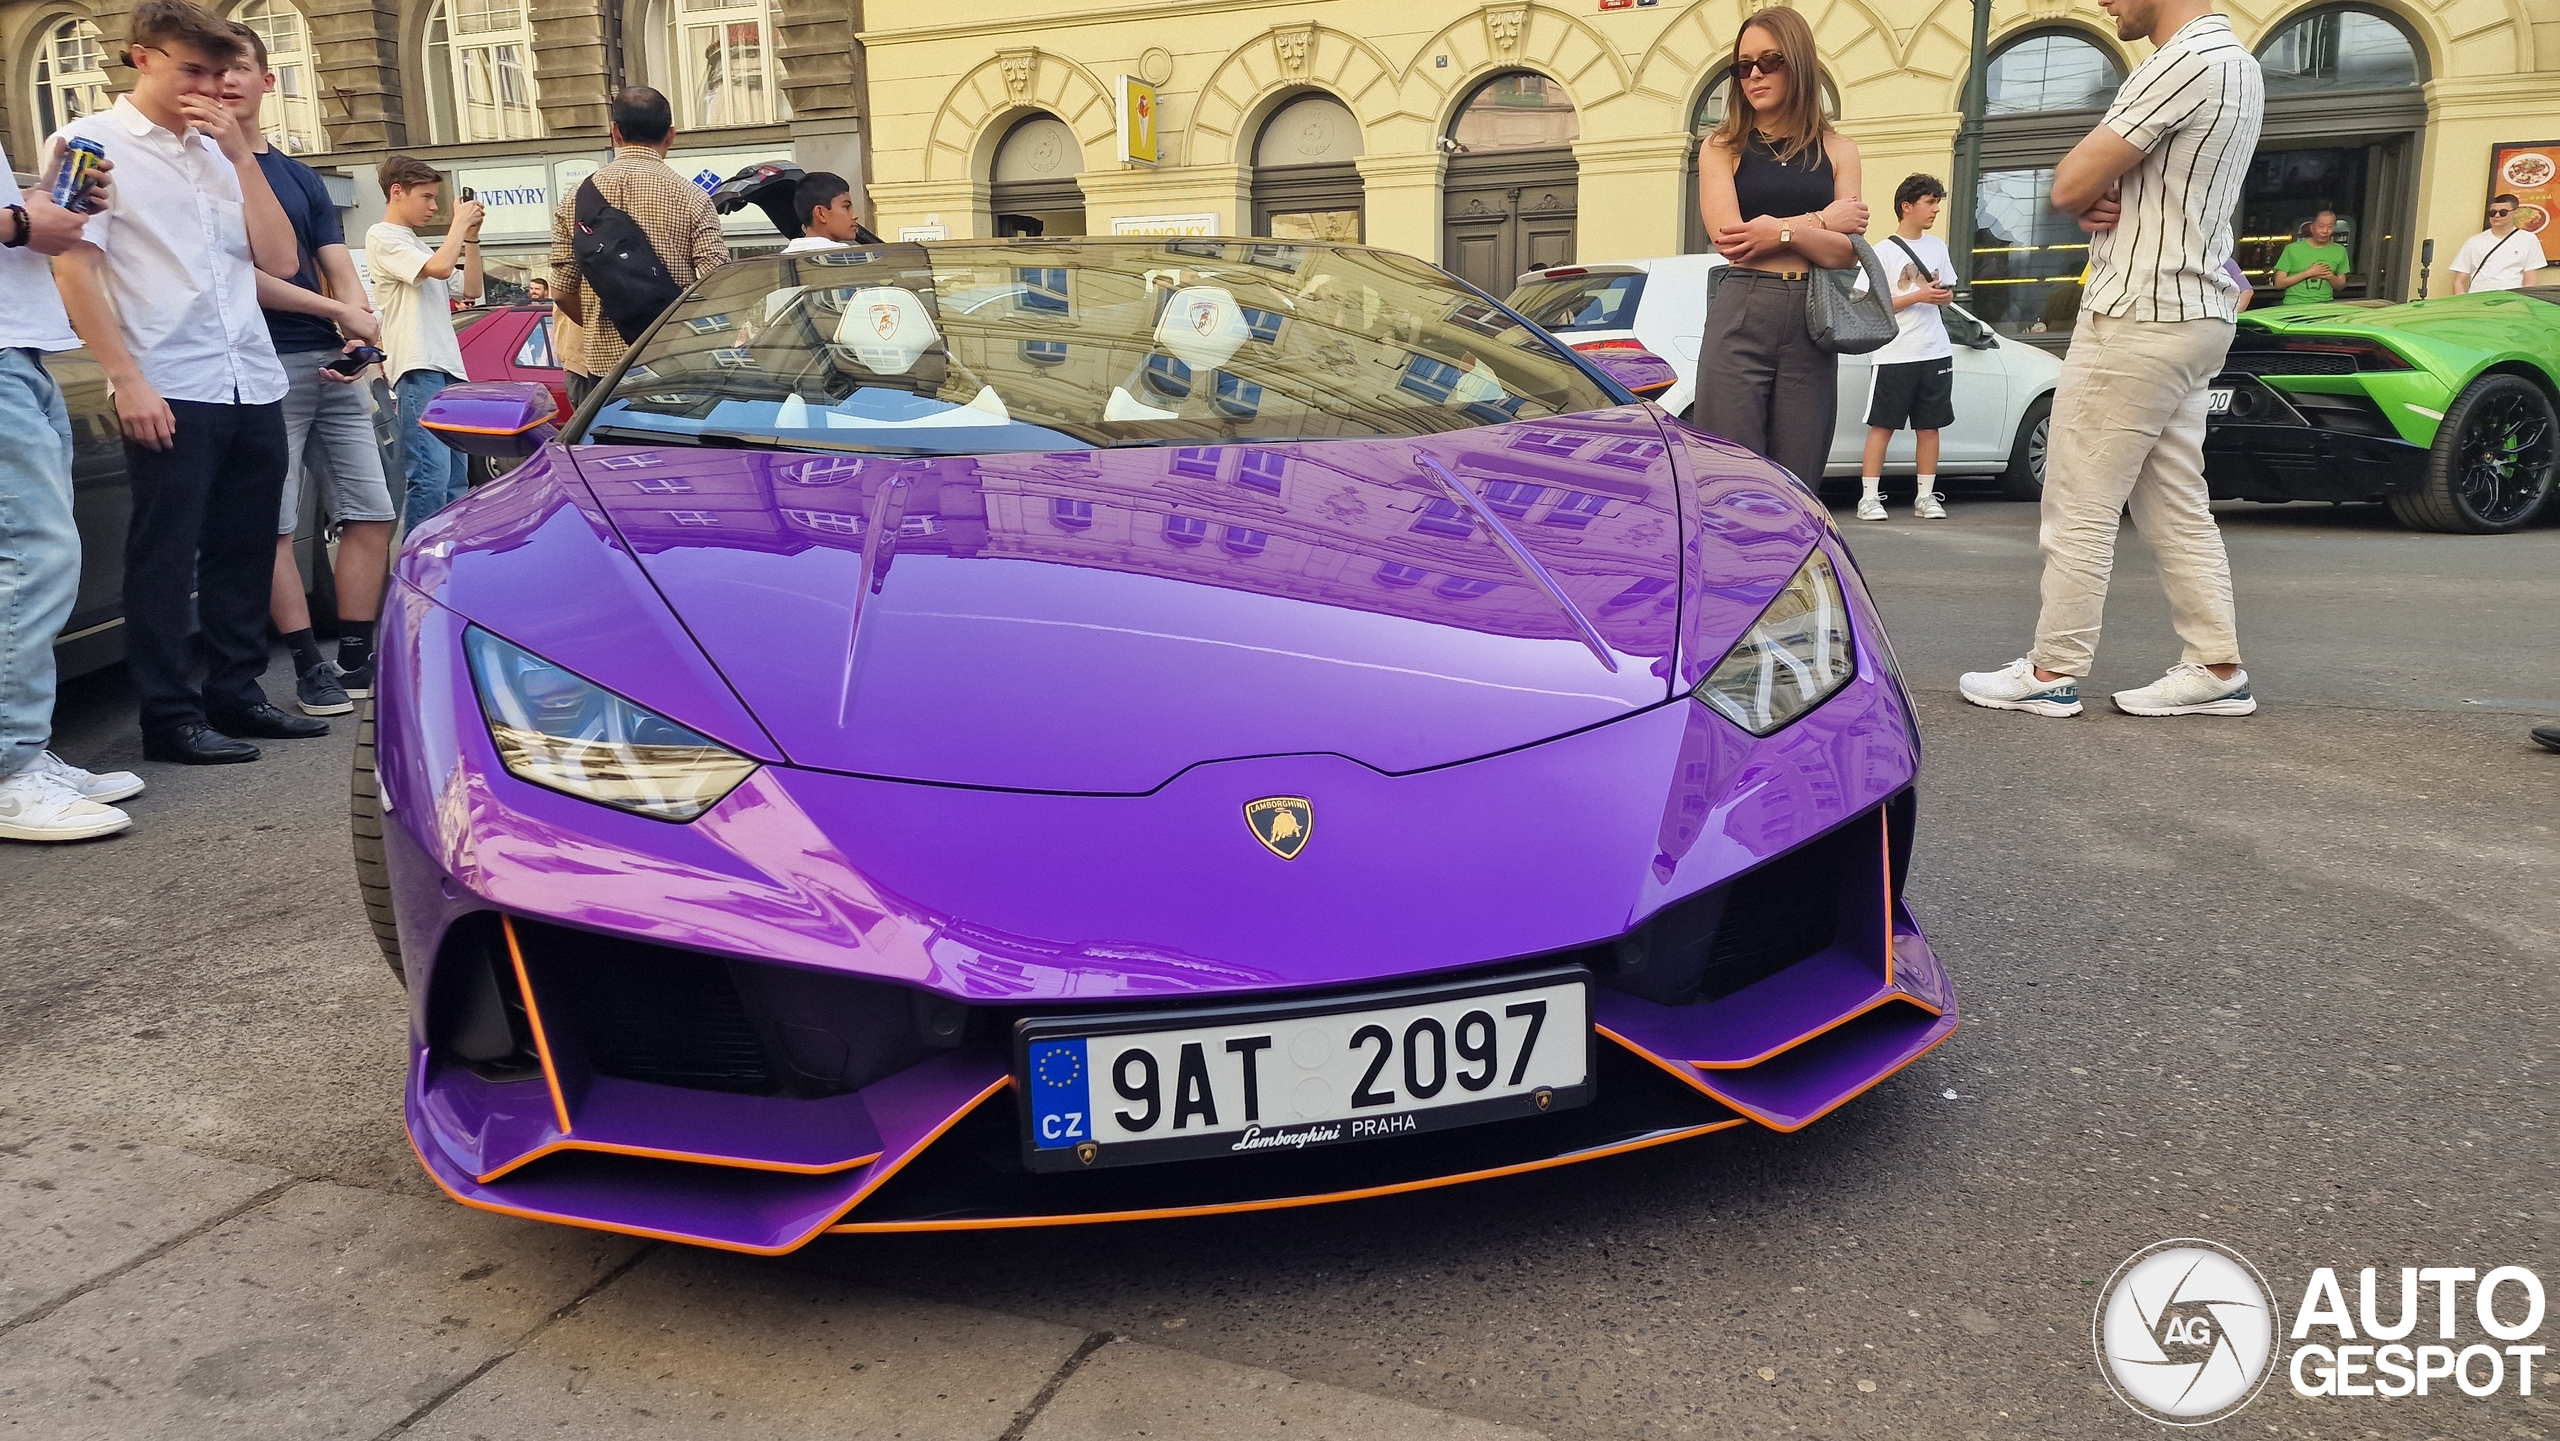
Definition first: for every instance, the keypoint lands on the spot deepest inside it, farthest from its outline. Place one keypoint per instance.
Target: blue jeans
(437, 476)
(39, 553)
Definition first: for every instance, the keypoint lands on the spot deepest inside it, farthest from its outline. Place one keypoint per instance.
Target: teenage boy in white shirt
(413, 288)
(1914, 375)
(164, 292)
(2500, 257)
(827, 221)
(42, 796)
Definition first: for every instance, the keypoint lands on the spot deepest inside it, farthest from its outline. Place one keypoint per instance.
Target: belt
(1790, 277)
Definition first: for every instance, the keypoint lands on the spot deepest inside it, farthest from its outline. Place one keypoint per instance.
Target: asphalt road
(2286, 983)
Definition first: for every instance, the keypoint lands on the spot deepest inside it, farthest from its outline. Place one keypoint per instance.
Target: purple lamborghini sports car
(974, 735)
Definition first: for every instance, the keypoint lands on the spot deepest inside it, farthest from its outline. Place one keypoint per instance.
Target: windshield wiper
(737, 440)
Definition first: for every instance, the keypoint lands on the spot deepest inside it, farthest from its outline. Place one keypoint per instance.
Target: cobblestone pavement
(2283, 982)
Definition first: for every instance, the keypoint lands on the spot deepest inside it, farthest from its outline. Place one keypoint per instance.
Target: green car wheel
(2491, 468)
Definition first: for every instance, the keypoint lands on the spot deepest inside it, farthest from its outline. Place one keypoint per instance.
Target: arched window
(1519, 111)
(1508, 202)
(1305, 186)
(480, 72)
(724, 70)
(2050, 70)
(291, 114)
(71, 74)
(1035, 190)
(2338, 49)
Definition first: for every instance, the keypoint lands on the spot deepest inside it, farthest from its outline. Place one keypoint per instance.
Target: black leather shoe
(2548, 736)
(196, 744)
(266, 722)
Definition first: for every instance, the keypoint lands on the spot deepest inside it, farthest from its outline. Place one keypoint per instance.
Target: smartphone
(354, 361)
(466, 193)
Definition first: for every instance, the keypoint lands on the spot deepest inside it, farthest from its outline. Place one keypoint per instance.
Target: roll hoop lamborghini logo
(2186, 1332)
(1281, 823)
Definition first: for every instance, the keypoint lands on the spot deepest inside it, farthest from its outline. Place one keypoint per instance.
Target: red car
(512, 342)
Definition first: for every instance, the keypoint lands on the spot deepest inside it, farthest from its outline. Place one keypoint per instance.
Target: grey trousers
(1761, 381)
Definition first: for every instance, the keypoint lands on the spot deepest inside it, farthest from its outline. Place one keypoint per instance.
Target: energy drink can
(80, 161)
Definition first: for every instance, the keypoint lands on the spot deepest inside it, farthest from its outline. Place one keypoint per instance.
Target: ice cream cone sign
(1138, 107)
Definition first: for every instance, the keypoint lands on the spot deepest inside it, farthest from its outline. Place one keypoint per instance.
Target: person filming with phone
(414, 283)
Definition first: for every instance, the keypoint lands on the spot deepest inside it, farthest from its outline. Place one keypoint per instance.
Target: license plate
(2217, 402)
(1241, 1081)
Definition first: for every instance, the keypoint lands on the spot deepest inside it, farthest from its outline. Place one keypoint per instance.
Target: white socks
(1928, 485)
(1870, 482)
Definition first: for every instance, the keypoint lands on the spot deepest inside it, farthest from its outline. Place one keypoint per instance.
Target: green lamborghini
(2442, 409)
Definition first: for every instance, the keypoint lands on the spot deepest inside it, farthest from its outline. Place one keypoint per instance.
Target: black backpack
(619, 265)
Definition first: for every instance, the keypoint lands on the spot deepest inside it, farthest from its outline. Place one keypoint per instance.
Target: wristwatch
(1786, 235)
(25, 230)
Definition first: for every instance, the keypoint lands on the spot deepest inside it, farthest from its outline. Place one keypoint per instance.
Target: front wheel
(2024, 479)
(373, 875)
(2490, 470)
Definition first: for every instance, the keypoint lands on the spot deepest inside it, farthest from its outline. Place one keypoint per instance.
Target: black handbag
(1842, 321)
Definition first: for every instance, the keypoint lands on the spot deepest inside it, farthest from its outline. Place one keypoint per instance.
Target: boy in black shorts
(1914, 374)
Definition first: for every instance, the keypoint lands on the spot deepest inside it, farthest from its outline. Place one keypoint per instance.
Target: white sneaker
(104, 789)
(1926, 507)
(2190, 690)
(1870, 507)
(35, 805)
(2014, 687)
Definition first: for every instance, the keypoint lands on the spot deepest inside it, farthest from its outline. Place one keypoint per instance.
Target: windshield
(975, 348)
(1581, 302)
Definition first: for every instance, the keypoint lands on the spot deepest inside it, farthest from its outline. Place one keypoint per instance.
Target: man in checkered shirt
(672, 211)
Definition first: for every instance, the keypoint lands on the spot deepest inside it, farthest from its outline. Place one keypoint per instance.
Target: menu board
(2531, 173)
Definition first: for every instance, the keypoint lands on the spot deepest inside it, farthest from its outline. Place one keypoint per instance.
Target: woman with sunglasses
(1778, 189)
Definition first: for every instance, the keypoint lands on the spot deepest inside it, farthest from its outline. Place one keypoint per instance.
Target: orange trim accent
(1686, 1074)
(693, 1157)
(1844, 1100)
(1235, 1208)
(1885, 999)
(488, 429)
(650, 1233)
(1884, 829)
(533, 1016)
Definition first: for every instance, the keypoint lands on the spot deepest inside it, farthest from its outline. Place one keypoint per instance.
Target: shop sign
(2531, 173)
(935, 231)
(518, 199)
(707, 169)
(1204, 223)
(1137, 109)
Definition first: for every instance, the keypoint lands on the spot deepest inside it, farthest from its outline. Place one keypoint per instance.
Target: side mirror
(1641, 371)
(498, 419)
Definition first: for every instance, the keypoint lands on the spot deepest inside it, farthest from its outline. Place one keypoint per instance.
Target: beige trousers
(2128, 433)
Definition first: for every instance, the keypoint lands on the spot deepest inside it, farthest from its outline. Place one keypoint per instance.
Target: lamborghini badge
(1281, 823)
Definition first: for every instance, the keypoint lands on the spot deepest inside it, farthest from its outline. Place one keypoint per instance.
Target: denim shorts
(329, 435)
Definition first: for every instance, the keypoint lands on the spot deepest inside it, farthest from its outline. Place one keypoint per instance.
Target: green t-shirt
(2300, 256)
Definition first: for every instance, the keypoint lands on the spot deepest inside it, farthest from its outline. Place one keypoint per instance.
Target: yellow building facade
(1494, 137)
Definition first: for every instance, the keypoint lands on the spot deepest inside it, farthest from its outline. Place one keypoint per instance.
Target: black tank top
(1766, 185)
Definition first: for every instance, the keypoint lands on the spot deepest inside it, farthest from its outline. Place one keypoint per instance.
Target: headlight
(565, 733)
(1794, 656)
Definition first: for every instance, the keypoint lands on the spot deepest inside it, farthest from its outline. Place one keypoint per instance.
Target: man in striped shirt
(2155, 186)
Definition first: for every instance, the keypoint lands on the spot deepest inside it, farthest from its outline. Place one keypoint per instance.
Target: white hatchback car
(2003, 389)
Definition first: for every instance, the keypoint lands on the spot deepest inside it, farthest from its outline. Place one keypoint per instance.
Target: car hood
(1099, 621)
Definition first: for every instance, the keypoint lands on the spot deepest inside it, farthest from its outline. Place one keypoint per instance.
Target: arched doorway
(1305, 186)
(1034, 190)
(2344, 120)
(2042, 92)
(1702, 123)
(1508, 199)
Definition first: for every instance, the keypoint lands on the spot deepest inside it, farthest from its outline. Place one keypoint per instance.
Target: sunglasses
(1772, 63)
(2502, 210)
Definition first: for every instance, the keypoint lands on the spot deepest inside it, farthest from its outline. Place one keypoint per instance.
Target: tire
(373, 876)
(2024, 479)
(2491, 468)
